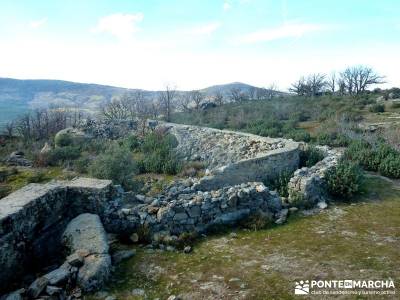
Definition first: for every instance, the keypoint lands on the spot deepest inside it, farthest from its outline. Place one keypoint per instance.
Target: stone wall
(307, 187)
(234, 157)
(33, 218)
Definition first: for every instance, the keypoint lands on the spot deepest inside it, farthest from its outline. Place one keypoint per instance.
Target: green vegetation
(378, 157)
(310, 156)
(344, 180)
(115, 163)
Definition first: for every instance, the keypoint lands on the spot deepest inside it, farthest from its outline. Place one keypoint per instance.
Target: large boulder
(69, 137)
(86, 236)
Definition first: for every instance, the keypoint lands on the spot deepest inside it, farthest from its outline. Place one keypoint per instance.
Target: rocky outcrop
(17, 158)
(86, 237)
(307, 186)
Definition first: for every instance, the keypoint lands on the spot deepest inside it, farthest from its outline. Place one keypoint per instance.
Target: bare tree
(9, 128)
(197, 97)
(166, 99)
(219, 98)
(184, 101)
(235, 95)
(357, 79)
(251, 92)
(311, 86)
(332, 82)
(271, 91)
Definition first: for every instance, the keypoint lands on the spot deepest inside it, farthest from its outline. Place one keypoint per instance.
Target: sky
(194, 44)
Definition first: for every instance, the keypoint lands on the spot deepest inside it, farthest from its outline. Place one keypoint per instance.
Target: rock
(75, 260)
(16, 295)
(233, 235)
(134, 237)
(173, 297)
(138, 292)
(282, 216)
(17, 158)
(94, 273)
(46, 149)
(37, 287)
(70, 136)
(322, 205)
(53, 290)
(187, 249)
(58, 276)
(293, 209)
(86, 232)
(122, 255)
(110, 298)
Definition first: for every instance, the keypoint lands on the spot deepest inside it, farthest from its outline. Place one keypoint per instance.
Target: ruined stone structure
(35, 222)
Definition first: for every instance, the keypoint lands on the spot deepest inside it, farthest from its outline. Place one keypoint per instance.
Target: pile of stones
(17, 158)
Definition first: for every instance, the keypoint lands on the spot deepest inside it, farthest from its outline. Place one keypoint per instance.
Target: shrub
(344, 179)
(390, 166)
(299, 135)
(37, 177)
(395, 105)
(117, 164)
(160, 156)
(81, 164)
(310, 156)
(63, 139)
(132, 142)
(332, 139)
(280, 184)
(4, 191)
(61, 155)
(377, 108)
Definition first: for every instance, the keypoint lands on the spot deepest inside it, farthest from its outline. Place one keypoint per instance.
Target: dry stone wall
(234, 157)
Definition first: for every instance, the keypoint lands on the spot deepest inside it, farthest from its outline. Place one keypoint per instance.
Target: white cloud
(37, 23)
(122, 26)
(282, 32)
(227, 6)
(205, 29)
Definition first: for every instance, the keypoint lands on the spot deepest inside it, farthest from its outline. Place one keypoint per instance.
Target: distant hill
(18, 96)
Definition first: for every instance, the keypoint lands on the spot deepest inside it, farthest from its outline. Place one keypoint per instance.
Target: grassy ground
(347, 241)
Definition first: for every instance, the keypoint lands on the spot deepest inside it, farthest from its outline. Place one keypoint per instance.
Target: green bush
(280, 184)
(332, 139)
(61, 155)
(310, 156)
(132, 142)
(390, 166)
(117, 164)
(377, 108)
(4, 191)
(159, 154)
(344, 180)
(82, 163)
(299, 135)
(63, 139)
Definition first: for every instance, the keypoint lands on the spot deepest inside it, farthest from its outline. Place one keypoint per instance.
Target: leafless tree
(184, 101)
(9, 129)
(116, 110)
(251, 92)
(332, 82)
(358, 78)
(197, 98)
(235, 94)
(166, 99)
(311, 86)
(271, 90)
(219, 98)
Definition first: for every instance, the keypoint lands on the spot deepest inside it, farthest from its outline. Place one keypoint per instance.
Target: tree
(197, 98)
(236, 95)
(357, 79)
(184, 102)
(219, 98)
(312, 85)
(166, 99)
(116, 110)
(332, 82)
(9, 129)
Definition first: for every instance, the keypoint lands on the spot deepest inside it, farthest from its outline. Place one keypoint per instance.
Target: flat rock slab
(85, 234)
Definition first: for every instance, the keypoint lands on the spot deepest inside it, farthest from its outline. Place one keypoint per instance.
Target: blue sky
(194, 44)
